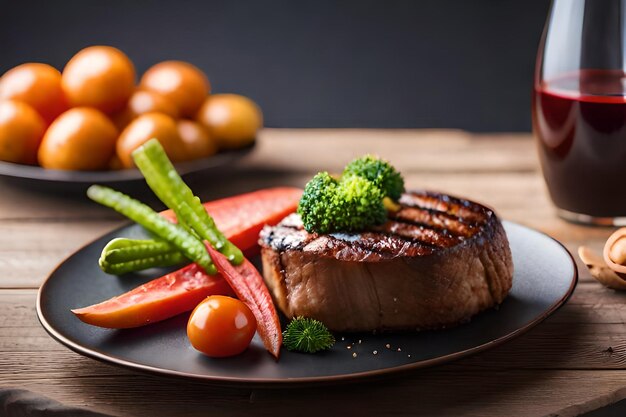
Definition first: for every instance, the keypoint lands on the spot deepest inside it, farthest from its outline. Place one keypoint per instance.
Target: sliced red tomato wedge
(240, 218)
(250, 288)
(156, 300)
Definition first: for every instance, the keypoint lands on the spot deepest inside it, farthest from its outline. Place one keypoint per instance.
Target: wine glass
(579, 110)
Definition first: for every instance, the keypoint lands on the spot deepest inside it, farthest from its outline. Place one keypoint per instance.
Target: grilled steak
(435, 263)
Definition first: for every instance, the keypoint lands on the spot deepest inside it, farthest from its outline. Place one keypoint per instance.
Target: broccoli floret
(380, 172)
(359, 204)
(307, 335)
(352, 204)
(316, 203)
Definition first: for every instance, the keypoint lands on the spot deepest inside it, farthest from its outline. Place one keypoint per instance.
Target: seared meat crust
(435, 263)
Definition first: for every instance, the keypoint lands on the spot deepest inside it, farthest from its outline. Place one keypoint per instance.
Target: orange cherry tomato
(233, 120)
(21, 130)
(144, 128)
(38, 85)
(221, 326)
(99, 76)
(142, 102)
(81, 138)
(182, 83)
(196, 140)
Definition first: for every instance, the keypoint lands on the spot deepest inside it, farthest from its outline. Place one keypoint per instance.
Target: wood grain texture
(581, 357)
(30, 250)
(577, 355)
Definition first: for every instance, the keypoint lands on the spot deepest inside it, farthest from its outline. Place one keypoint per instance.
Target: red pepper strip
(240, 218)
(250, 288)
(156, 300)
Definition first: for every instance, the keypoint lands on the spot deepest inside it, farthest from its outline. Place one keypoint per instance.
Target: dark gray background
(323, 63)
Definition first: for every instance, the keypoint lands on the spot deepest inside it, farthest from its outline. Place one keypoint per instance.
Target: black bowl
(37, 178)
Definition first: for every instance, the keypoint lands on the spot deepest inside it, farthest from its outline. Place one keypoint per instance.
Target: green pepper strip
(185, 242)
(163, 179)
(121, 255)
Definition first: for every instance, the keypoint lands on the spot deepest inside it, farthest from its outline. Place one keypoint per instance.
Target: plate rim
(55, 176)
(300, 381)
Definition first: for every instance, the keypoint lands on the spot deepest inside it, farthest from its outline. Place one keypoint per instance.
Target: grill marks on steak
(425, 223)
(290, 235)
(463, 209)
(436, 262)
(455, 226)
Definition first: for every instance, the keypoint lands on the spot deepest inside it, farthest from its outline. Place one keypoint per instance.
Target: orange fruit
(180, 82)
(82, 138)
(142, 102)
(196, 140)
(233, 120)
(21, 130)
(38, 85)
(144, 128)
(101, 77)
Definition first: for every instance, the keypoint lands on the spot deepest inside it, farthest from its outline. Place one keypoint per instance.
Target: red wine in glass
(579, 111)
(580, 124)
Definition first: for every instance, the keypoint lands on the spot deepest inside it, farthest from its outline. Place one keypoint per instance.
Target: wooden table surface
(575, 356)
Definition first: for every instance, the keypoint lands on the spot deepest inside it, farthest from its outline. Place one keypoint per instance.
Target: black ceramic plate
(82, 178)
(545, 276)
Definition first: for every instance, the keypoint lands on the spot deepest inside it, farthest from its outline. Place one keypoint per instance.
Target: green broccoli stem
(163, 179)
(189, 245)
(122, 255)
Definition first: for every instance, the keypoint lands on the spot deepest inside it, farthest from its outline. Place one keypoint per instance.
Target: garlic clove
(599, 269)
(615, 252)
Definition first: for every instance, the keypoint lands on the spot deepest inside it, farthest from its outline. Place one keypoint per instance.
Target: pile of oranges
(93, 115)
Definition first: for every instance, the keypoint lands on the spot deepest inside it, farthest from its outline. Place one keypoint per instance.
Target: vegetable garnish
(221, 326)
(163, 179)
(240, 218)
(359, 199)
(328, 205)
(175, 234)
(156, 300)
(307, 335)
(249, 286)
(121, 255)
(378, 171)
(195, 227)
